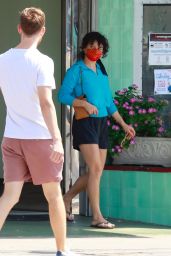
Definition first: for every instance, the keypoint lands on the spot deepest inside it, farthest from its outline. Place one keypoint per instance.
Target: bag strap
(81, 80)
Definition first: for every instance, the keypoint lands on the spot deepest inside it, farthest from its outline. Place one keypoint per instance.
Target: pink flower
(140, 111)
(115, 127)
(119, 150)
(132, 142)
(125, 105)
(108, 122)
(133, 100)
(130, 108)
(160, 129)
(152, 110)
(150, 99)
(116, 102)
(144, 111)
(135, 125)
(131, 113)
(120, 92)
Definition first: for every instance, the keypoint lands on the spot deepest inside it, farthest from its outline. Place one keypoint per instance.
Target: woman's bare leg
(94, 158)
(79, 186)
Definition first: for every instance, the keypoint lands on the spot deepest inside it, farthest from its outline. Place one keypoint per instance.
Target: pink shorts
(29, 160)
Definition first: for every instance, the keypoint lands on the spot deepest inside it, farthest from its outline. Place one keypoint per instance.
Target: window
(150, 16)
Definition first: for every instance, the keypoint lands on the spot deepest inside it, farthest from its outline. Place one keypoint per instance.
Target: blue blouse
(95, 86)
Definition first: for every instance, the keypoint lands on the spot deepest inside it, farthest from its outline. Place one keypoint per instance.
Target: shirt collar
(84, 66)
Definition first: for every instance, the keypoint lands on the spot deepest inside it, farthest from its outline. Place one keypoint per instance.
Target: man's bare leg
(57, 214)
(10, 196)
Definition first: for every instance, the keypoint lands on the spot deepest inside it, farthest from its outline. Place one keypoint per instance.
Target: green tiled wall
(115, 21)
(138, 196)
(141, 196)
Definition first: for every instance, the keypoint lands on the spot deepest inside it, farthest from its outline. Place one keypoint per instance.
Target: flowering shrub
(139, 112)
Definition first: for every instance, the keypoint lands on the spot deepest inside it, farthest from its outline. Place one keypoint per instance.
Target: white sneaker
(68, 253)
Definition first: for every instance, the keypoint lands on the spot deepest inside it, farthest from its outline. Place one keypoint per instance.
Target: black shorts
(90, 130)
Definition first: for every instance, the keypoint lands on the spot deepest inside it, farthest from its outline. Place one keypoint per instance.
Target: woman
(90, 135)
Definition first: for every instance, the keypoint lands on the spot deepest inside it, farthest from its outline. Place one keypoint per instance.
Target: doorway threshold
(28, 215)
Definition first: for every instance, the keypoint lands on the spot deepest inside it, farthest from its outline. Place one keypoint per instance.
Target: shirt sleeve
(66, 91)
(46, 73)
(111, 108)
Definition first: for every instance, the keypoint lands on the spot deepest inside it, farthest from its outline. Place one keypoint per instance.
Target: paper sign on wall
(159, 49)
(162, 80)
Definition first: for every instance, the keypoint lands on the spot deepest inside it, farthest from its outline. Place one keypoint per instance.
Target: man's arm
(49, 114)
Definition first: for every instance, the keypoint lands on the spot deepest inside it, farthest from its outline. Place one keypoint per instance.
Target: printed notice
(159, 49)
(162, 80)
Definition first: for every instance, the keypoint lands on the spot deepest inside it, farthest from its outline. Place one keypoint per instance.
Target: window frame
(138, 37)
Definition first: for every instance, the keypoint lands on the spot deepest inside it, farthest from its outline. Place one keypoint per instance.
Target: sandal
(69, 216)
(103, 225)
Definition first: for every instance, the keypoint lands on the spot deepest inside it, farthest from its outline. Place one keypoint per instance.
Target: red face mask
(93, 54)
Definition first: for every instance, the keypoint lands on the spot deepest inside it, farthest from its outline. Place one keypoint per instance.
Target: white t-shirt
(21, 72)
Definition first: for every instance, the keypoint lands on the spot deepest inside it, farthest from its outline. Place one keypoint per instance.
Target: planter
(147, 151)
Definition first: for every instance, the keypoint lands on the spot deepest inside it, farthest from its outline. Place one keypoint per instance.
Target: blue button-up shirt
(79, 80)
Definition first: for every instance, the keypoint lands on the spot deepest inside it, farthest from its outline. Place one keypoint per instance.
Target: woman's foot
(102, 223)
(67, 203)
(69, 216)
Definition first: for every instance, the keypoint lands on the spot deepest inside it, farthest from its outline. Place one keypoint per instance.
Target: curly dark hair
(90, 38)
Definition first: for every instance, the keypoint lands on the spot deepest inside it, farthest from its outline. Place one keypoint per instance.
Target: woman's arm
(66, 91)
(129, 130)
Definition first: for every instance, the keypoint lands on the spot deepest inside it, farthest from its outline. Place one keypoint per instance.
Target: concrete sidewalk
(34, 238)
(158, 246)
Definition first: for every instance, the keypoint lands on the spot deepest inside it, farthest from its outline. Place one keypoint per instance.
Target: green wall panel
(115, 21)
(138, 196)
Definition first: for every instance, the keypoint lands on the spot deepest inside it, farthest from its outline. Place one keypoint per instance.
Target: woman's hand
(91, 109)
(129, 130)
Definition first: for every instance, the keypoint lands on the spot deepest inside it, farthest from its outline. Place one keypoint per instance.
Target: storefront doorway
(67, 22)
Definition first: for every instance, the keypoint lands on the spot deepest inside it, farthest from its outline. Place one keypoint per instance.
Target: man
(31, 147)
